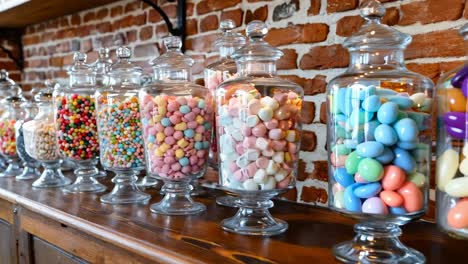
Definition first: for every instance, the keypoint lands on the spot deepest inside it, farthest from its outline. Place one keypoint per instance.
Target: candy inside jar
(76, 126)
(379, 142)
(259, 131)
(452, 151)
(176, 117)
(41, 143)
(120, 130)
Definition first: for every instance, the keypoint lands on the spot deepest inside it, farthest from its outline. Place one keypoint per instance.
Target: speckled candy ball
(7, 137)
(76, 126)
(177, 133)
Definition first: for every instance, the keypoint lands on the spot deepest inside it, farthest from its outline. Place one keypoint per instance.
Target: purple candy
(464, 87)
(456, 120)
(456, 132)
(459, 77)
(374, 205)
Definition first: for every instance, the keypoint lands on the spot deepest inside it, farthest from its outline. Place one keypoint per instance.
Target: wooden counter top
(199, 239)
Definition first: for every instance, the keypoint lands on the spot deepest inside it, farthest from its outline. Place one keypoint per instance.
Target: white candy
(281, 175)
(446, 168)
(418, 99)
(261, 143)
(278, 157)
(269, 184)
(265, 113)
(225, 121)
(270, 102)
(223, 111)
(260, 176)
(268, 153)
(252, 154)
(237, 135)
(228, 143)
(250, 185)
(457, 187)
(464, 166)
(252, 120)
(228, 157)
(242, 162)
(237, 123)
(465, 150)
(291, 135)
(243, 113)
(272, 168)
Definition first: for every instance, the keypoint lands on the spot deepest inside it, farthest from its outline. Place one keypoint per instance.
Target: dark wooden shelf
(99, 233)
(36, 11)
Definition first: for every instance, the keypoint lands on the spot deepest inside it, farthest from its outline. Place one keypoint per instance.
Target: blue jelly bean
(386, 157)
(189, 133)
(341, 118)
(184, 161)
(385, 92)
(366, 92)
(370, 149)
(397, 210)
(184, 109)
(404, 160)
(386, 135)
(350, 143)
(402, 101)
(358, 135)
(206, 144)
(368, 190)
(371, 103)
(387, 113)
(198, 145)
(201, 104)
(406, 129)
(342, 177)
(351, 201)
(166, 122)
(408, 145)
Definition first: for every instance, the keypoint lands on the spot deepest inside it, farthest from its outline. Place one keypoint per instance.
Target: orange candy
(458, 216)
(393, 178)
(456, 99)
(391, 198)
(412, 197)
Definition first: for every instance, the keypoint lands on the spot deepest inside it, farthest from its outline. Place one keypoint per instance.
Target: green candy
(341, 150)
(352, 162)
(338, 200)
(417, 178)
(370, 170)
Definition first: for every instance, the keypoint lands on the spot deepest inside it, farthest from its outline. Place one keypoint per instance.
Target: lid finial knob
(256, 29)
(227, 25)
(124, 52)
(172, 43)
(79, 57)
(371, 9)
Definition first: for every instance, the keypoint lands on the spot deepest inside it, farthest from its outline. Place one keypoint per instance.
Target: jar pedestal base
(177, 200)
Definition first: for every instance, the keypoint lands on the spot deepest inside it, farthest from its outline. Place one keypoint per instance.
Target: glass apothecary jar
(75, 121)
(40, 140)
(452, 150)
(176, 116)
(259, 130)
(31, 165)
(14, 113)
(120, 130)
(379, 142)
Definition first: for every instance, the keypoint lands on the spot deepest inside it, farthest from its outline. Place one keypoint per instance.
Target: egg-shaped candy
(387, 113)
(406, 129)
(374, 205)
(457, 216)
(404, 160)
(370, 170)
(370, 149)
(386, 135)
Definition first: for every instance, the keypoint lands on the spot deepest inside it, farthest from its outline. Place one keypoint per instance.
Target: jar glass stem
(85, 181)
(177, 200)
(30, 171)
(52, 176)
(13, 169)
(125, 191)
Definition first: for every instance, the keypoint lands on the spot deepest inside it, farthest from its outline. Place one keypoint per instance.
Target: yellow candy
(157, 118)
(162, 110)
(199, 119)
(160, 101)
(179, 153)
(198, 137)
(160, 136)
(182, 143)
(287, 157)
(159, 153)
(164, 147)
(180, 126)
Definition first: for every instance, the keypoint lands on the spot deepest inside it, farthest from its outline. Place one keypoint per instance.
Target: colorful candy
(41, 145)
(7, 137)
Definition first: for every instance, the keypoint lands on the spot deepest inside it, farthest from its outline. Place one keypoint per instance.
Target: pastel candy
(351, 201)
(374, 205)
(368, 190)
(371, 103)
(456, 99)
(406, 129)
(359, 117)
(342, 177)
(250, 185)
(404, 160)
(457, 187)
(341, 149)
(412, 197)
(393, 178)
(386, 157)
(456, 119)
(385, 92)
(370, 149)
(275, 134)
(457, 216)
(391, 198)
(260, 176)
(259, 130)
(370, 170)
(269, 184)
(398, 210)
(338, 200)
(387, 113)
(265, 114)
(407, 145)
(343, 104)
(252, 120)
(352, 162)
(418, 99)
(385, 134)
(254, 106)
(338, 160)
(417, 178)
(262, 162)
(369, 130)
(367, 91)
(446, 168)
(402, 101)
(261, 143)
(464, 166)
(270, 102)
(271, 124)
(358, 178)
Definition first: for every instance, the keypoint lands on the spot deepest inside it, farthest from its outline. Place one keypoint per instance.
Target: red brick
(317, 85)
(431, 70)
(86, 46)
(52, 24)
(308, 33)
(116, 11)
(15, 77)
(161, 31)
(170, 10)
(60, 74)
(63, 47)
(90, 16)
(260, 13)
(209, 23)
(128, 21)
(191, 27)
(190, 8)
(206, 6)
(85, 30)
(47, 36)
(314, 8)
(31, 40)
(64, 22)
(104, 27)
(341, 5)
(36, 63)
(323, 113)
(320, 171)
(308, 112)
(102, 13)
(41, 27)
(431, 11)
(288, 61)
(131, 36)
(93, 56)
(349, 25)
(201, 43)
(132, 6)
(445, 43)
(236, 15)
(30, 29)
(66, 33)
(8, 65)
(314, 195)
(309, 141)
(325, 57)
(290, 195)
(75, 20)
(301, 170)
(146, 32)
(154, 16)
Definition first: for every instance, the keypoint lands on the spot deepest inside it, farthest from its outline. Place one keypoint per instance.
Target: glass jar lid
(5, 82)
(257, 48)
(80, 73)
(15, 100)
(103, 63)
(173, 58)
(228, 38)
(45, 95)
(464, 31)
(123, 63)
(373, 34)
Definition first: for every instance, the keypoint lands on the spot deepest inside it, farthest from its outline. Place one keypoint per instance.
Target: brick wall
(6, 62)
(310, 33)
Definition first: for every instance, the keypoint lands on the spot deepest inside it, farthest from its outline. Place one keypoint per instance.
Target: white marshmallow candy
(272, 168)
(237, 135)
(260, 176)
(252, 120)
(223, 111)
(252, 154)
(270, 102)
(265, 114)
(243, 114)
(291, 135)
(228, 157)
(250, 185)
(261, 143)
(242, 161)
(268, 152)
(281, 175)
(237, 123)
(228, 143)
(278, 157)
(269, 184)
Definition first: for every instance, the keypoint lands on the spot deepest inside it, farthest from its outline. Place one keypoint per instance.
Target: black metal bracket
(181, 18)
(13, 35)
